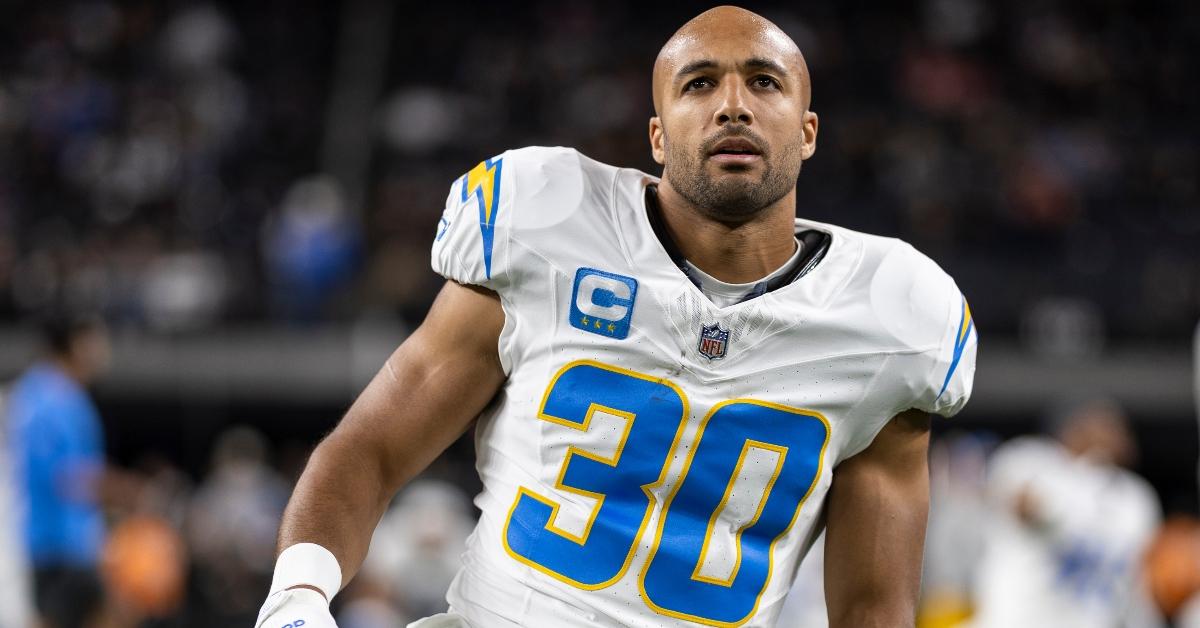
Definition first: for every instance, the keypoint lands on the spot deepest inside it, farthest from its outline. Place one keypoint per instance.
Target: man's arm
(875, 532)
(423, 398)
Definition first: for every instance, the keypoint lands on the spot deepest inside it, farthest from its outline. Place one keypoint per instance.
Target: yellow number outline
(662, 518)
(571, 451)
(737, 536)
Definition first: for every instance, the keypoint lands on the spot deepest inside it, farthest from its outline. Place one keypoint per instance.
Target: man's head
(79, 343)
(732, 124)
(1097, 429)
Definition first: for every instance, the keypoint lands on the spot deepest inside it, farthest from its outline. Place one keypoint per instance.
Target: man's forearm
(423, 399)
(337, 504)
(869, 614)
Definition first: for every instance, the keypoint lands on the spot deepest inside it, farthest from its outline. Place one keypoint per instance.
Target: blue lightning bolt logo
(483, 182)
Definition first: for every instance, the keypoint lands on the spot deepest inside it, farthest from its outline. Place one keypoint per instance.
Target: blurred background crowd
(241, 197)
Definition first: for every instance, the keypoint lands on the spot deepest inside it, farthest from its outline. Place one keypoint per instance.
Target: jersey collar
(814, 245)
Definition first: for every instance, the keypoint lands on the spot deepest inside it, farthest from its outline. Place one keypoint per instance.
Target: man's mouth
(735, 150)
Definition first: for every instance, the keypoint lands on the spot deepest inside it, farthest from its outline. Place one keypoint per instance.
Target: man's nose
(733, 106)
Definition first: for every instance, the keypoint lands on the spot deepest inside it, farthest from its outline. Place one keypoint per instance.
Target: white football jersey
(1081, 567)
(655, 460)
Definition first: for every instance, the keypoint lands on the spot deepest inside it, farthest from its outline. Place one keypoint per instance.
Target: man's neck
(733, 253)
(71, 369)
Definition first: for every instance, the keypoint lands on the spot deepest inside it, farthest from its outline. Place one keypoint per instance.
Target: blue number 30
(754, 462)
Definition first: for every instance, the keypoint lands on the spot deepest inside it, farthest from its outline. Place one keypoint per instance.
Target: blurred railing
(331, 364)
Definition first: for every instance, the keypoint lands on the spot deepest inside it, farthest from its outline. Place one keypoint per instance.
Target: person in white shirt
(1068, 528)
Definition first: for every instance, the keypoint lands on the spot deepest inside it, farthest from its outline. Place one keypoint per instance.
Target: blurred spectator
(417, 546)
(1042, 151)
(16, 595)
(232, 526)
(312, 247)
(144, 567)
(184, 291)
(1063, 328)
(57, 444)
(1173, 570)
(166, 492)
(369, 611)
(1067, 529)
(957, 516)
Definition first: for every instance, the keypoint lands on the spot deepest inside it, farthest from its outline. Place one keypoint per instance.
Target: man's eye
(699, 83)
(766, 82)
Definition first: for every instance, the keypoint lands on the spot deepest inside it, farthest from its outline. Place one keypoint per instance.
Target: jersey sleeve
(525, 196)
(927, 317)
(951, 364)
(471, 245)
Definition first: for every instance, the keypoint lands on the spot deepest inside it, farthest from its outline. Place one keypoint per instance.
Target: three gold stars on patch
(598, 324)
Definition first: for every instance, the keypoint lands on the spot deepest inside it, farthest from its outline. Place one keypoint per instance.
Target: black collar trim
(814, 243)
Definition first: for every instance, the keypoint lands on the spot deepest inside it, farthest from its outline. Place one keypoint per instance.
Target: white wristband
(309, 564)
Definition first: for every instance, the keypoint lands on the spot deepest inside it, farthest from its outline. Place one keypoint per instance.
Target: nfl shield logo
(713, 341)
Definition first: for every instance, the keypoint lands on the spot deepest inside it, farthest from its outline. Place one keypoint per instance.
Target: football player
(678, 383)
(1068, 529)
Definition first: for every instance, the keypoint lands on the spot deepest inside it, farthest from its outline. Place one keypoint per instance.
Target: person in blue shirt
(56, 442)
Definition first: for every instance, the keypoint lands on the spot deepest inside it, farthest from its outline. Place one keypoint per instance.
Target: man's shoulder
(44, 396)
(535, 199)
(1139, 493)
(543, 183)
(45, 384)
(1023, 459)
(533, 159)
(554, 163)
(905, 304)
(1027, 450)
(906, 290)
(877, 250)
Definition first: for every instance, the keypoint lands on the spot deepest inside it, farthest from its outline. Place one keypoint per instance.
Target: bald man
(675, 383)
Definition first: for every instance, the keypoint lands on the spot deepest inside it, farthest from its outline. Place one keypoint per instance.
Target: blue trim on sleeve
(966, 324)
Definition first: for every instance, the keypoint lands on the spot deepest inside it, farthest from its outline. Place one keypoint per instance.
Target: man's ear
(811, 126)
(658, 141)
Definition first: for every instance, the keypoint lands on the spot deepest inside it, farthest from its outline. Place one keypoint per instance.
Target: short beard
(736, 200)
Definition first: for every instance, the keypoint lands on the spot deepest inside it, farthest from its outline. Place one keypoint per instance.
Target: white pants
(442, 620)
